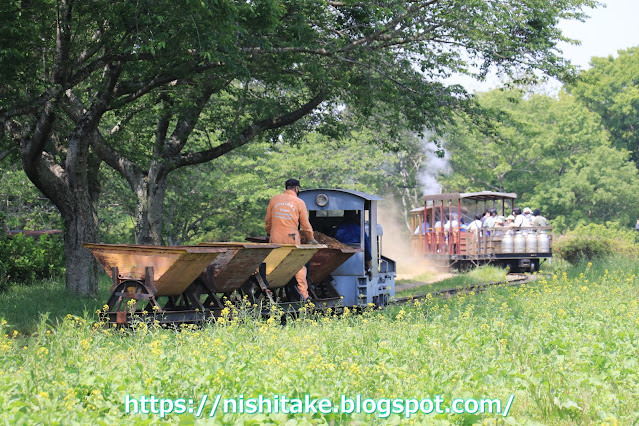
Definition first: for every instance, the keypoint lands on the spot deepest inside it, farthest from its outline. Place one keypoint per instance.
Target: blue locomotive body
(359, 282)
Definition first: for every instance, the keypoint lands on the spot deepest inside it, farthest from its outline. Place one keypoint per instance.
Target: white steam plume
(433, 168)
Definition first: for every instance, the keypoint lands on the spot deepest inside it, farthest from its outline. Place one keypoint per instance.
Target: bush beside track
(565, 346)
(592, 241)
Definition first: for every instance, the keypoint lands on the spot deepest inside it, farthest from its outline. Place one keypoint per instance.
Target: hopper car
(521, 249)
(189, 284)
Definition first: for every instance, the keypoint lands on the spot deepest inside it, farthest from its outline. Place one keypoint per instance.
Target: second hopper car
(440, 234)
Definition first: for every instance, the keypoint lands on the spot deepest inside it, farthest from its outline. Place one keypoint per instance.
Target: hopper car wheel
(127, 291)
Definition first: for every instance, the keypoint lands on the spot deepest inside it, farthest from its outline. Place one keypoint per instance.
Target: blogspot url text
(380, 407)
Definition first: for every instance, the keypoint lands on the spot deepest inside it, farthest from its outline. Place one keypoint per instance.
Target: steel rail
(514, 280)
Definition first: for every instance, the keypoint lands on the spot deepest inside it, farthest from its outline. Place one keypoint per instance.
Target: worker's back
(284, 215)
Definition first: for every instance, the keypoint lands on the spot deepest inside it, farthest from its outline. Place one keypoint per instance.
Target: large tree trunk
(74, 190)
(78, 209)
(150, 191)
(82, 268)
(82, 227)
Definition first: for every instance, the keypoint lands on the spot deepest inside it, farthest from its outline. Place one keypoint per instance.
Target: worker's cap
(292, 182)
(527, 210)
(510, 217)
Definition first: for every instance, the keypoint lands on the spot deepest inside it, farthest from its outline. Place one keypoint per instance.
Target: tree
(226, 199)
(554, 153)
(610, 88)
(22, 206)
(128, 83)
(599, 187)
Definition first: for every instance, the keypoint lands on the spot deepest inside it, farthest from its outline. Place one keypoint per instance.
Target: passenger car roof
(476, 196)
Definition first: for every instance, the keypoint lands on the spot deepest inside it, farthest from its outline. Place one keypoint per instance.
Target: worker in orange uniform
(286, 213)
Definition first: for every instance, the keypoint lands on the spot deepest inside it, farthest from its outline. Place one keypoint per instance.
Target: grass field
(484, 274)
(564, 348)
(22, 306)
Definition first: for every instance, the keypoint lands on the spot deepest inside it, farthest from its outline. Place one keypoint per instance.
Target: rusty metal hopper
(230, 270)
(328, 259)
(284, 262)
(174, 267)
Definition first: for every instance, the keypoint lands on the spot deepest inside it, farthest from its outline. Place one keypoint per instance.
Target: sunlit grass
(483, 274)
(565, 346)
(23, 305)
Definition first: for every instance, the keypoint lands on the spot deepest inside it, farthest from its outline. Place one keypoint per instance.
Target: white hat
(527, 210)
(510, 217)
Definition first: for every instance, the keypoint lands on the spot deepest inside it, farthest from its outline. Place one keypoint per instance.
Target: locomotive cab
(329, 209)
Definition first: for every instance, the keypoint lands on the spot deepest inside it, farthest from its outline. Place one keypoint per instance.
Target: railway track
(511, 280)
(293, 308)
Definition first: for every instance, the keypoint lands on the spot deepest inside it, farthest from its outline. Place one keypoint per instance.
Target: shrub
(25, 259)
(594, 241)
(575, 248)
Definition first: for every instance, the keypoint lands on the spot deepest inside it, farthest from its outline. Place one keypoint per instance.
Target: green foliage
(18, 308)
(597, 241)
(565, 346)
(553, 153)
(599, 187)
(22, 205)
(201, 201)
(577, 249)
(610, 88)
(25, 259)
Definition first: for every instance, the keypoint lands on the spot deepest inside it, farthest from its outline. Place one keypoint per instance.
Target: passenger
(520, 219)
(538, 219)
(528, 214)
(484, 217)
(350, 231)
(489, 222)
(476, 224)
(285, 214)
(510, 222)
(500, 222)
(451, 223)
(423, 226)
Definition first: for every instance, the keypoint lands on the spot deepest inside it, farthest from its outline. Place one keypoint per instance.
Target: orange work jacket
(285, 213)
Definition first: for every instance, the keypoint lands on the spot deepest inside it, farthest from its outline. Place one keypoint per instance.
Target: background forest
(574, 156)
(151, 123)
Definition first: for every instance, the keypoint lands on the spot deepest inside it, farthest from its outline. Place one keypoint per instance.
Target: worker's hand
(313, 241)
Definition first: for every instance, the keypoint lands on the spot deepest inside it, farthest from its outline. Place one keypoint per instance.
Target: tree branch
(249, 133)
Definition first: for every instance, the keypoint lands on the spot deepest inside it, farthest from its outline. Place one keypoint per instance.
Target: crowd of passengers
(490, 219)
